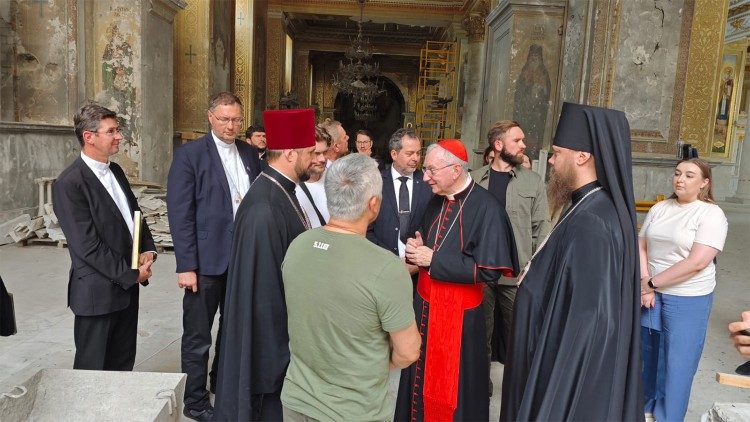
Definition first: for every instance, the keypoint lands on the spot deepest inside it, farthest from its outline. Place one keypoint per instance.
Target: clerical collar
(462, 193)
(220, 143)
(579, 193)
(395, 174)
(280, 177)
(97, 166)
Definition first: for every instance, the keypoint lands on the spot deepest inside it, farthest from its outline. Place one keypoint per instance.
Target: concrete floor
(37, 277)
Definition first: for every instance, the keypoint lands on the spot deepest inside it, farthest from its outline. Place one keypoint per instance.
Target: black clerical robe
(472, 244)
(571, 354)
(255, 343)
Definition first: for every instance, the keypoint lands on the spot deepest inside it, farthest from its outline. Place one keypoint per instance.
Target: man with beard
(256, 136)
(522, 194)
(311, 194)
(574, 350)
(255, 343)
(401, 215)
(467, 242)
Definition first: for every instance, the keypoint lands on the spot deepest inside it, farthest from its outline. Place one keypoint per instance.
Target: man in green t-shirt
(349, 306)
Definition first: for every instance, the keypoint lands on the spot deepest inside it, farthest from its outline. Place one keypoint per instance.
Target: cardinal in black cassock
(574, 350)
(466, 243)
(255, 343)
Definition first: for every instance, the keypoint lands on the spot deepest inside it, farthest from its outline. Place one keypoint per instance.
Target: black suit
(201, 221)
(102, 289)
(384, 230)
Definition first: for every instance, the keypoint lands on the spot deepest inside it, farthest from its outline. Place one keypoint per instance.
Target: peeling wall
(574, 46)
(221, 55)
(646, 65)
(28, 152)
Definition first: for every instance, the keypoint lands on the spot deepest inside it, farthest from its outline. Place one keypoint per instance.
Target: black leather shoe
(206, 414)
(743, 369)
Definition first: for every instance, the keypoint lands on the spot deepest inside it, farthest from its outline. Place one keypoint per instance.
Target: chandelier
(359, 77)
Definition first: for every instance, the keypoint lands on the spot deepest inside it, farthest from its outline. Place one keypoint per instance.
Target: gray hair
(395, 143)
(448, 157)
(89, 117)
(349, 184)
(330, 126)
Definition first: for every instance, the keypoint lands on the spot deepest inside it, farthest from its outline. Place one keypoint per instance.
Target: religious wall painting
(727, 94)
(534, 67)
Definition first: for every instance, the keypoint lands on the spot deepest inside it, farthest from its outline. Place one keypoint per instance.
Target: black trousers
(107, 342)
(198, 312)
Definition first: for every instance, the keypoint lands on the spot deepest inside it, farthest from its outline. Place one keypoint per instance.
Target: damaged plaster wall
(221, 56)
(646, 65)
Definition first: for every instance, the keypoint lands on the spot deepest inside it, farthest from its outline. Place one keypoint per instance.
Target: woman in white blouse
(678, 242)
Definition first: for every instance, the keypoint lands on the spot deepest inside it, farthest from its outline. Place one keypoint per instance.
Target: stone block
(76, 395)
(8, 226)
(726, 412)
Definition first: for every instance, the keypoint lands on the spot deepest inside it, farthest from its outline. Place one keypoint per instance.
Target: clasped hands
(417, 253)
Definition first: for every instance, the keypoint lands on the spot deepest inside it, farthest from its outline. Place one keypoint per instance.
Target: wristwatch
(651, 284)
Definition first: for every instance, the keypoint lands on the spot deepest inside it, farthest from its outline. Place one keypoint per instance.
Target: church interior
(447, 68)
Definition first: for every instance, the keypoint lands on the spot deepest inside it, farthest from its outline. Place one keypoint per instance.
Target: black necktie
(403, 209)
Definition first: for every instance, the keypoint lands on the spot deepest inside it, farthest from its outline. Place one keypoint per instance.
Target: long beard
(559, 190)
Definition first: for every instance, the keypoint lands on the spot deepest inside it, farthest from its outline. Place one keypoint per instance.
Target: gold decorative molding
(706, 49)
(191, 78)
(474, 26)
(243, 56)
(301, 84)
(275, 50)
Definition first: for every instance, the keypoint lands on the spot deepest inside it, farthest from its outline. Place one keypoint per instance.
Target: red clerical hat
(455, 147)
(289, 129)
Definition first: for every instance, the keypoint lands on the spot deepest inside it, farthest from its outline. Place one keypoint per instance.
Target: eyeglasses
(433, 170)
(363, 142)
(225, 120)
(111, 133)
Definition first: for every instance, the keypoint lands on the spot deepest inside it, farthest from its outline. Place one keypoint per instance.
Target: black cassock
(255, 342)
(571, 354)
(473, 244)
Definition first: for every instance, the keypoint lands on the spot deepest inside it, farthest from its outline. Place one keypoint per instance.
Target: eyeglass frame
(432, 171)
(111, 133)
(237, 121)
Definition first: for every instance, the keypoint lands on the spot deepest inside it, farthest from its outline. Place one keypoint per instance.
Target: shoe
(649, 417)
(206, 414)
(743, 369)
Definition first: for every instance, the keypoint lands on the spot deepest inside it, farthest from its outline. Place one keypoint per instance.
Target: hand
(648, 300)
(740, 339)
(144, 272)
(188, 280)
(146, 257)
(420, 256)
(415, 241)
(413, 269)
(645, 288)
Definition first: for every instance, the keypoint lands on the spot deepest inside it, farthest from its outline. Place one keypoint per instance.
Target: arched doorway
(390, 107)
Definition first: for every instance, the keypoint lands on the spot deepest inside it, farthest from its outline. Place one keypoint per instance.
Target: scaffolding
(436, 108)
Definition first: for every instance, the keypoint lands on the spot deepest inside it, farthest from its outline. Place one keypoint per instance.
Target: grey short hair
(330, 126)
(395, 143)
(350, 182)
(448, 157)
(89, 117)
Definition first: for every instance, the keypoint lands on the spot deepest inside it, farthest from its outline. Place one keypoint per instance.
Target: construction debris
(45, 228)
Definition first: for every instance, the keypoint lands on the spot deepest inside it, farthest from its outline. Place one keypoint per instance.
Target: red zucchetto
(455, 147)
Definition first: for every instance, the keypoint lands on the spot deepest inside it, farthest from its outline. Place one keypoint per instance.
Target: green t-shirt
(343, 295)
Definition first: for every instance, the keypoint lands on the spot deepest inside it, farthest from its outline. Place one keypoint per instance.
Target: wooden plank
(733, 380)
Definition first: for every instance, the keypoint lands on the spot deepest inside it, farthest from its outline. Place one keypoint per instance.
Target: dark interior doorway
(390, 108)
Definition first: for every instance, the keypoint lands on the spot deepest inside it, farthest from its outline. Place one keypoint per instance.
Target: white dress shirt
(107, 179)
(396, 187)
(318, 192)
(234, 169)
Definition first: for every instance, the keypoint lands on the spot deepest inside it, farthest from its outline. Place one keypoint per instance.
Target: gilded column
(276, 51)
(705, 54)
(302, 77)
(243, 56)
(191, 77)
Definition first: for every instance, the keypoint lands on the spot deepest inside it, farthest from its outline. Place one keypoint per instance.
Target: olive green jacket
(526, 205)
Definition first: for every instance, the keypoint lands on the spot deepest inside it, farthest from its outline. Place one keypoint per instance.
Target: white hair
(349, 184)
(448, 157)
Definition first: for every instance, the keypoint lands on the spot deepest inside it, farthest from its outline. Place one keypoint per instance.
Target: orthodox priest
(255, 343)
(574, 349)
(463, 243)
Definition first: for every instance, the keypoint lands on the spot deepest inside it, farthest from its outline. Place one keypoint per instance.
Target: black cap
(573, 130)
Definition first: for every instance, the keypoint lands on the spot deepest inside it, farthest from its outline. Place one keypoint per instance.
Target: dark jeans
(107, 342)
(198, 312)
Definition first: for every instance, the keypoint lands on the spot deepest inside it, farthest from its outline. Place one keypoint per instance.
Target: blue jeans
(671, 356)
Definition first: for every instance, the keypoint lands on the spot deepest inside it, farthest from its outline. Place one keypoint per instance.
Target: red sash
(448, 301)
